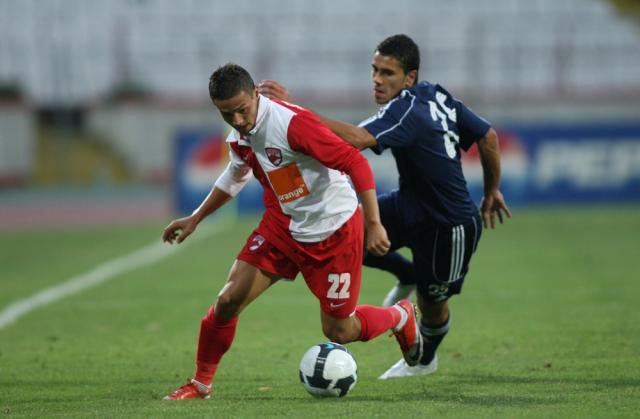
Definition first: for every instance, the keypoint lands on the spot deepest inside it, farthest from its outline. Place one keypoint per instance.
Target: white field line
(102, 273)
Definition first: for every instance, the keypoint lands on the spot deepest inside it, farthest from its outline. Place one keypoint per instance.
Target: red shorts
(331, 268)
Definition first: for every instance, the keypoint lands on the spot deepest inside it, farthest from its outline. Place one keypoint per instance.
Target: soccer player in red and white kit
(312, 224)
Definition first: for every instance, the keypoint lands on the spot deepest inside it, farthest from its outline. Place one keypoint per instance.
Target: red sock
(216, 336)
(376, 320)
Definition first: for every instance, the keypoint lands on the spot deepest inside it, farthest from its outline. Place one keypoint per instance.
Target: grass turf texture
(548, 325)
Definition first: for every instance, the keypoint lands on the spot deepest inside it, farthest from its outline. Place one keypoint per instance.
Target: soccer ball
(328, 370)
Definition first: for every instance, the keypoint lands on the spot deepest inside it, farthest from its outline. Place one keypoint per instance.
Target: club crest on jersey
(274, 155)
(257, 241)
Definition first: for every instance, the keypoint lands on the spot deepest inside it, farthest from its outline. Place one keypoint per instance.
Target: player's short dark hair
(228, 81)
(403, 49)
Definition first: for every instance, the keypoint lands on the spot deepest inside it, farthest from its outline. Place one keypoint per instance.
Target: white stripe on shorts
(453, 251)
(457, 253)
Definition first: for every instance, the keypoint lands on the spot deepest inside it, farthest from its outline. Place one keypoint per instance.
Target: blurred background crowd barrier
(104, 105)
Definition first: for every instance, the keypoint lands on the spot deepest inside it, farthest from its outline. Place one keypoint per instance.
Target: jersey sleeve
(235, 175)
(308, 135)
(471, 127)
(395, 125)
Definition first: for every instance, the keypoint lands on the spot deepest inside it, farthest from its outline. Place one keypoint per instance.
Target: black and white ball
(328, 370)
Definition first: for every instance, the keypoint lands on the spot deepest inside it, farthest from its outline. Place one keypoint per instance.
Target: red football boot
(191, 390)
(408, 336)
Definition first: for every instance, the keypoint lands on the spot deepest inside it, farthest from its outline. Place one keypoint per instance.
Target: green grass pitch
(548, 325)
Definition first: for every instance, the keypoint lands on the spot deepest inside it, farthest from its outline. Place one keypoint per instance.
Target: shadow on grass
(462, 389)
(506, 379)
(415, 396)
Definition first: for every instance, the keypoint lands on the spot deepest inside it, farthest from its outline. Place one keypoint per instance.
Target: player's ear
(410, 78)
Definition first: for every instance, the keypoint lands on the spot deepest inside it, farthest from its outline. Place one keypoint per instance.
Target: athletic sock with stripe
(431, 338)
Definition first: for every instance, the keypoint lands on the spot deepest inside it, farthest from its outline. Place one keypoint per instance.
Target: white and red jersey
(302, 167)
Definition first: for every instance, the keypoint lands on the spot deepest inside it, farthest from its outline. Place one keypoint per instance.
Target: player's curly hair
(229, 80)
(403, 49)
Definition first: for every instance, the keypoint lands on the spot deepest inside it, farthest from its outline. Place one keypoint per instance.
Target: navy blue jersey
(425, 127)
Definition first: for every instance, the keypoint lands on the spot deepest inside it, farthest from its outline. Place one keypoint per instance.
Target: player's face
(240, 111)
(389, 78)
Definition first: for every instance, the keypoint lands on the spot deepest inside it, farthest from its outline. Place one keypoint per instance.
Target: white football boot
(401, 369)
(397, 293)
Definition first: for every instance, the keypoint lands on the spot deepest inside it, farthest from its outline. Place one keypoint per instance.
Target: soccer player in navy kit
(432, 212)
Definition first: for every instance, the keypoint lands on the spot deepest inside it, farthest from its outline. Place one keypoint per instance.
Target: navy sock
(394, 263)
(431, 338)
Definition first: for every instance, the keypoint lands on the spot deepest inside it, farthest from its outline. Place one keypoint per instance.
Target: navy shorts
(441, 254)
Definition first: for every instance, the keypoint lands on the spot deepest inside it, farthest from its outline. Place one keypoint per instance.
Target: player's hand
(274, 90)
(493, 205)
(178, 230)
(376, 239)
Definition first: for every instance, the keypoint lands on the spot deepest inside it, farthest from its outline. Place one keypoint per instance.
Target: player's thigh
(392, 221)
(396, 230)
(259, 252)
(441, 258)
(334, 269)
(258, 266)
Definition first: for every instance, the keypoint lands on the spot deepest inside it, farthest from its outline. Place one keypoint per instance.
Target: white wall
(17, 143)
(144, 133)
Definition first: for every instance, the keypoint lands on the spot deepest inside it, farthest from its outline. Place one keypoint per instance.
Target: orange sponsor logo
(288, 184)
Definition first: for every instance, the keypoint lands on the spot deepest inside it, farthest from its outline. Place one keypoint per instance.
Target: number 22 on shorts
(339, 285)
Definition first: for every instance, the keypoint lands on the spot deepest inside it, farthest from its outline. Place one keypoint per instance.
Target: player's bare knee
(227, 306)
(434, 313)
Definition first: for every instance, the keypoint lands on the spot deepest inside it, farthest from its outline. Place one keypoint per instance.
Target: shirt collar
(263, 106)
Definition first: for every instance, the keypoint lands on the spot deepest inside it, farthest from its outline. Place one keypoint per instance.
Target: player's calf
(339, 334)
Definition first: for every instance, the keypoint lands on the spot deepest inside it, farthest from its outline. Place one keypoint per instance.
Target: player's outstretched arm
(493, 204)
(178, 230)
(358, 137)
